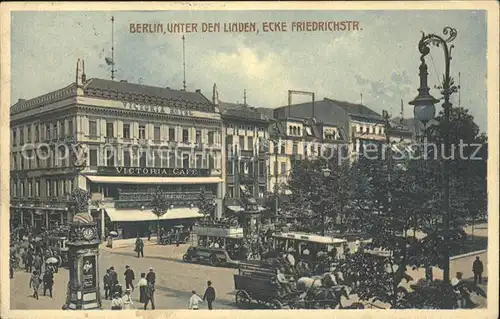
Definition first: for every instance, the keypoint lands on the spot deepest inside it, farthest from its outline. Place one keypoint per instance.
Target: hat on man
(150, 268)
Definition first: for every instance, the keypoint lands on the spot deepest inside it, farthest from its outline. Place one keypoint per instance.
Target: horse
(326, 297)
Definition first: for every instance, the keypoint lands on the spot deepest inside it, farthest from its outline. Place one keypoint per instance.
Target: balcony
(111, 140)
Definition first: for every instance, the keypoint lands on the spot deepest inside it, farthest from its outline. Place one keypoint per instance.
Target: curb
(469, 254)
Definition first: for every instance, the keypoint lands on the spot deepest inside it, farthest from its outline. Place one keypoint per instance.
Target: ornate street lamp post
(424, 111)
(326, 174)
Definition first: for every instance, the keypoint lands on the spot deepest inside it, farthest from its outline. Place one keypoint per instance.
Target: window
(298, 131)
(37, 189)
(37, 133)
(126, 158)
(262, 191)
(198, 137)
(230, 167)
(230, 192)
(242, 143)
(22, 162)
(14, 137)
(199, 161)
(229, 140)
(55, 189)
(21, 136)
(63, 187)
(142, 131)
(164, 160)
(110, 158)
(29, 158)
(295, 149)
(250, 169)
(283, 168)
(185, 136)
(157, 133)
(142, 159)
(185, 161)
(22, 189)
(63, 129)
(210, 138)
(70, 127)
(14, 161)
(71, 186)
(157, 159)
(290, 130)
(294, 130)
(30, 188)
(262, 168)
(93, 128)
(56, 131)
(250, 189)
(211, 162)
(242, 168)
(48, 188)
(109, 129)
(93, 158)
(250, 143)
(282, 148)
(29, 133)
(126, 131)
(171, 134)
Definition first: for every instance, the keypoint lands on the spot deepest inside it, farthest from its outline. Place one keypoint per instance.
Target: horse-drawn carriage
(255, 281)
(179, 234)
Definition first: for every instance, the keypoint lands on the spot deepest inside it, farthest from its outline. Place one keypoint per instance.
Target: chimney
(123, 81)
(79, 73)
(198, 91)
(168, 87)
(84, 77)
(21, 100)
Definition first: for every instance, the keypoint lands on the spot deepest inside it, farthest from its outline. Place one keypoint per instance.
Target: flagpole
(112, 48)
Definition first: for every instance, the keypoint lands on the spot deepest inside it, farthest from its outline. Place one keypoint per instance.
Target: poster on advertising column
(89, 271)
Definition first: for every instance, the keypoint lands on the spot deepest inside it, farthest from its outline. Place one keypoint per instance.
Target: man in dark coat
(129, 277)
(209, 295)
(48, 282)
(477, 269)
(151, 276)
(28, 265)
(108, 283)
(37, 263)
(139, 247)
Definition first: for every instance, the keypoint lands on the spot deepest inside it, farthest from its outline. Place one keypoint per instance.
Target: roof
(310, 237)
(241, 111)
(327, 109)
(123, 90)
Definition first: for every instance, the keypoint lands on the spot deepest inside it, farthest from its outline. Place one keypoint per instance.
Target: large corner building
(120, 141)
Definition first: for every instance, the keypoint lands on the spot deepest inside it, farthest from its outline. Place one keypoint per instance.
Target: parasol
(113, 233)
(52, 260)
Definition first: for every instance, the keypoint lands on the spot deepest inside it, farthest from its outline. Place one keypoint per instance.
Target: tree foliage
(159, 202)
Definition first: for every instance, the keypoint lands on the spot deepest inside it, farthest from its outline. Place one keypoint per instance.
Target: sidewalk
(129, 242)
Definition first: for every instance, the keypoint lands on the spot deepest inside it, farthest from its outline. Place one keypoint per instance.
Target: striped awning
(136, 215)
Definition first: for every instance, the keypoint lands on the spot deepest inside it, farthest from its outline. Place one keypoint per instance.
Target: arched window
(298, 130)
(290, 130)
(294, 130)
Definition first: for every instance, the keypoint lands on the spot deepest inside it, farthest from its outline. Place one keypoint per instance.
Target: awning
(135, 215)
(153, 180)
(235, 208)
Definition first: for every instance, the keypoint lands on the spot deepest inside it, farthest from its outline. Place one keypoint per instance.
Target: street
(174, 279)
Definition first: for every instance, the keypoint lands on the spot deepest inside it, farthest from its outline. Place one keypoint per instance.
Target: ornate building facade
(119, 141)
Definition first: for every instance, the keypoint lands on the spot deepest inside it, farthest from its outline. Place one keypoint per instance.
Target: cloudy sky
(381, 61)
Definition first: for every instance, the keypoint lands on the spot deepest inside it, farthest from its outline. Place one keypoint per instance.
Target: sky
(380, 61)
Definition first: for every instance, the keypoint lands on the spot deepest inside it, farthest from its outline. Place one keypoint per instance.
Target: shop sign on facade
(152, 172)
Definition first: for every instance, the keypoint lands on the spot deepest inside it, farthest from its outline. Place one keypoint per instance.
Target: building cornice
(61, 94)
(99, 111)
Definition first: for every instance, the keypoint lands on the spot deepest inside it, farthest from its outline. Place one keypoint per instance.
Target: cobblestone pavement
(175, 279)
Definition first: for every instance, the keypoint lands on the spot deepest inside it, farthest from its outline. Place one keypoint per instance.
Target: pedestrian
(117, 289)
(129, 277)
(37, 263)
(107, 284)
(139, 247)
(127, 300)
(35, 283)
(48, 282)
(151, 276)
(177, 237)
(150, 231)
(209, 295)
(29, 261)
(117, 302)
(194, 301)
(477, 269)
(11, 266)
(114, 276)
(146, 292)
(457, 285)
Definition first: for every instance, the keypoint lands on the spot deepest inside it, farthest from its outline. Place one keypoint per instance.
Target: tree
(206, 205)
(320, 202)
(160, 205)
